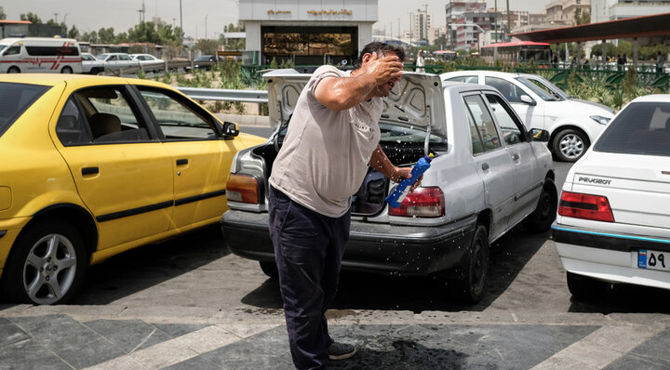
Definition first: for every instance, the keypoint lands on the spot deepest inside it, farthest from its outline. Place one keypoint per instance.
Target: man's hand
(382, 69)
(405, 173)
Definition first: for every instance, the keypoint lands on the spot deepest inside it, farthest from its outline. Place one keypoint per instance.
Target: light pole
(181, 23)
(206, 26)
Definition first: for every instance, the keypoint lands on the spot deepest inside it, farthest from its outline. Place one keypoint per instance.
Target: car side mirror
(230, 130)
(527, 100)
(538, 134)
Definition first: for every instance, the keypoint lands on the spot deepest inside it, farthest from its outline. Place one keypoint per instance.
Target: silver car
(488, 175)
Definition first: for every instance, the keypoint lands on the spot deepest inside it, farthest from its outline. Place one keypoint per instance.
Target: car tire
(569, 145)
(471, 284)
(545, 212)
(585, 288)
(13, 70)
(66, 70)
(270, 269)
(56, 272)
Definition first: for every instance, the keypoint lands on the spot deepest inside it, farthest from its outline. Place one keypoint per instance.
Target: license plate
(653, 260)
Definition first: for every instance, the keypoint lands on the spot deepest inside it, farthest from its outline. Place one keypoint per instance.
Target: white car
(613, 223)
(149, 63)
(489, 174)
(572, 124)
(91, 65)
(119, 62)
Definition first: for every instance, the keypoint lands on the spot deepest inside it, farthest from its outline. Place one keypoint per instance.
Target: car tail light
(422, 202)
(588, 206)
(242, 188)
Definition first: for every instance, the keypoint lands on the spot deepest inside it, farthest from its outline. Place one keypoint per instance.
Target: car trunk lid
(416, 101)
(637, 186)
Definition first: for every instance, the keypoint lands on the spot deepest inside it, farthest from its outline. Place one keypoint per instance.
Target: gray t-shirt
(325, 154)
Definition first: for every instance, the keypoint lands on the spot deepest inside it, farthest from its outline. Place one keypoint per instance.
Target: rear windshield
(15, 99)
(641, 128)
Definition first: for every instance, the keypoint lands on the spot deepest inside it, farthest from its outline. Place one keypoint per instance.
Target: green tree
(106, 35)
(207, 46)
(73, 33)
(2, 13)
(581, 17)
(144, 32)
(233, 44)
(32, 17)
(90, 36)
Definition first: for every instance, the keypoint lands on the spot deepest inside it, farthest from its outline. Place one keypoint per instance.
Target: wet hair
(377, 46)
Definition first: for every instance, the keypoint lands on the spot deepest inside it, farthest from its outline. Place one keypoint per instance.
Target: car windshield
(545, 84)
(102, 56)
(641, 128)
(15, 99)
(543, 92)
(2, 47)
(203, 58)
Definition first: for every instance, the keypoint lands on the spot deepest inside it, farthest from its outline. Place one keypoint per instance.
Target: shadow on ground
(141, 268)
(360, 290)
(624, 298)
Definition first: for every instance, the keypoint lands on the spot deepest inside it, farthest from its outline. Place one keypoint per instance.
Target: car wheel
(13, 70)
(569, 145)
(66, 70)
(270, 269)
(471, 285)
(545, 212)
(585, 288)
(47, 264)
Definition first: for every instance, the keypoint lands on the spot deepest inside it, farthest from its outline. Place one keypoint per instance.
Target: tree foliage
(232, 44)
(3, 15)
(207, 46)
(32, 17)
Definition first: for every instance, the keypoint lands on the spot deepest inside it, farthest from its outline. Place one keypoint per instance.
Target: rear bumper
(609, 257)
(406, 250)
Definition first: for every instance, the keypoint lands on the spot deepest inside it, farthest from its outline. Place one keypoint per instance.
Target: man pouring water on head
(332, 138)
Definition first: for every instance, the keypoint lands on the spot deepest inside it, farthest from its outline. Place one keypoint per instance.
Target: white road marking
(178, 349)
(597, 350)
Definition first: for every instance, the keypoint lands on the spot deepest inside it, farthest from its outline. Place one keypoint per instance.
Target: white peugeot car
(573, 124)
(613, 223)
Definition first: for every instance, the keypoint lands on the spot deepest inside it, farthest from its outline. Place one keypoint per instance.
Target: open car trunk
(409, 117)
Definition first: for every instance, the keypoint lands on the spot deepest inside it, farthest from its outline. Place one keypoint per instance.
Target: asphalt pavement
(188, 303)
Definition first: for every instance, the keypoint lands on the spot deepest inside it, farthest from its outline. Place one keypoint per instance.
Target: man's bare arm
(340, 93)
(381, 163)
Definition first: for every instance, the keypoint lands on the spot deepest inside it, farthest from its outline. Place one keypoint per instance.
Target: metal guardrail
(245, 96)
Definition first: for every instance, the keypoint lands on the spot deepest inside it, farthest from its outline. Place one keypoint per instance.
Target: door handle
(89, 171)
(485, 166)
(181, 162)
(515, 156)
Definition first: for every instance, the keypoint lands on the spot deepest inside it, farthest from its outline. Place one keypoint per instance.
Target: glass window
(511, 128)
(477, 145)
(124, 57)
(177, 118)
(510, 91)
(641, 128)
(465, 79)
(15, 99)
(110, 117)
(112, 58)
(72, 128)
(544, 92)
(483, 122)
(13, 50)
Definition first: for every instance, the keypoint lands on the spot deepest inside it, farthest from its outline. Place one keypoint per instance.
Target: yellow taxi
(93, 166)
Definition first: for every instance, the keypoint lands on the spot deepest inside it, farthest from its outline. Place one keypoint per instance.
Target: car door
(493, 163)
(122, 172)
(527, 186)
(531, 115)
(200, 157)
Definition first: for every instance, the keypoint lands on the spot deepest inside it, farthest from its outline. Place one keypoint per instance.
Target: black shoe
(341, 351)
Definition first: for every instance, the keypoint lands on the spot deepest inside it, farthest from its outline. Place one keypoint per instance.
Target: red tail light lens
(587, 206)
(422, 202)
(242, 188)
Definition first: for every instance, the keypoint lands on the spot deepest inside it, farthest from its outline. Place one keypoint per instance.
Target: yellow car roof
(52, 79)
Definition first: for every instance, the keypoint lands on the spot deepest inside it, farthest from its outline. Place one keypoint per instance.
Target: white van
(39, 55)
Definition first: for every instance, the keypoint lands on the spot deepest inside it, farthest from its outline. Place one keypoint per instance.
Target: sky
(207, 17)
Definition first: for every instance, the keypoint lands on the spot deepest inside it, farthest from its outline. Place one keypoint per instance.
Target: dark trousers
(308, 250)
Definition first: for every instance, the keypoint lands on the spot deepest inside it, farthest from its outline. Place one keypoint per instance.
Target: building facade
(455, 20)
(306, 32)
(563, 11)
(609, 10)
(420, 25)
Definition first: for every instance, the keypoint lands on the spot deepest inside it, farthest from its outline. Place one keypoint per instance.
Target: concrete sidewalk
(60, 341)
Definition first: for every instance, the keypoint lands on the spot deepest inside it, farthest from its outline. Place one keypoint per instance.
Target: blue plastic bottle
(401, 190)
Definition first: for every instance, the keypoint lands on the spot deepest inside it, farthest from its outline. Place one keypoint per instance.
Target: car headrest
(103, 124)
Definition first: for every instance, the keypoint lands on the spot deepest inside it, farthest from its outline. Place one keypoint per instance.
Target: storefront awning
(647, 26)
